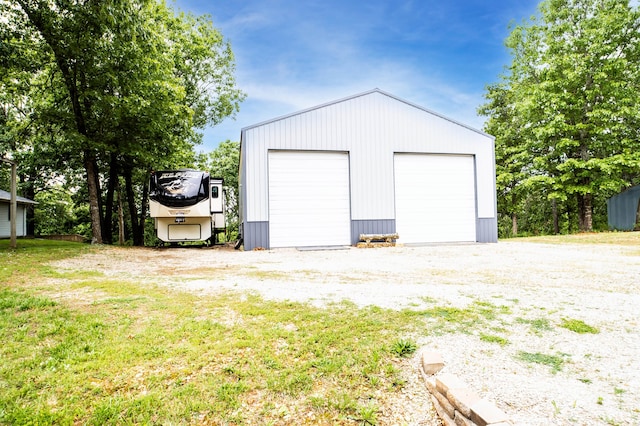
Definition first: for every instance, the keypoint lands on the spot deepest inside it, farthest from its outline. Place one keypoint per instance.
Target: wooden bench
(377, 240)
(387, 238)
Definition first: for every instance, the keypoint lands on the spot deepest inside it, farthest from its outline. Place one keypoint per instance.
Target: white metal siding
(309, 199)
(371, 128)
(5, 224)
(435, 198)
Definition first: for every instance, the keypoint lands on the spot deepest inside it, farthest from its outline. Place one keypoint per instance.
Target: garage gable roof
(360, 95)
(6, 196)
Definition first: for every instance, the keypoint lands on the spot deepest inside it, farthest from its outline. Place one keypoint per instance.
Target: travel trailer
(187, 205)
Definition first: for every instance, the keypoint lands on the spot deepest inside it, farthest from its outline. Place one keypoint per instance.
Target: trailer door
(309, 202)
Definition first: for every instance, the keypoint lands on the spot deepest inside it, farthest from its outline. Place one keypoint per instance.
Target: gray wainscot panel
(373, 226)
(487, 230)
(256, 234)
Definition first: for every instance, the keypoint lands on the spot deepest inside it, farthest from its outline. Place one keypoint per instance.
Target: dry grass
(614, 238)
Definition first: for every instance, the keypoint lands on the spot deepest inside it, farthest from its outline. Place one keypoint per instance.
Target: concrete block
(431, 386)
(485, 413)
(462, 399)
(445, 404)
(446, 420)
(447, 381)
(461, 420)
(432, 362)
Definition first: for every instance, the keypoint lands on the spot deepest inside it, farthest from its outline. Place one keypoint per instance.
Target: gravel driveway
(599, 382)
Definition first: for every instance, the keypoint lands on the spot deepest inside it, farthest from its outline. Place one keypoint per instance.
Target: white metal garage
(371, 163)
(309, 198)
(435, 198)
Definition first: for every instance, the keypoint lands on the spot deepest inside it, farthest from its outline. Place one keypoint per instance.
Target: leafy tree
(571, 99)
(224, 162)
(122, 87)
(55, 213)
(511, 159)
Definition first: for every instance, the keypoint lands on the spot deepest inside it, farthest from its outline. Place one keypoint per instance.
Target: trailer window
(179, 188)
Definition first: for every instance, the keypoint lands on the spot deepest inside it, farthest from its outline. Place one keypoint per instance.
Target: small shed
(371, 163)
(5, 215)
(623, 210)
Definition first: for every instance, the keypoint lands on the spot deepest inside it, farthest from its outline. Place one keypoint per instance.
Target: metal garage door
(435, 198)
(309, 199)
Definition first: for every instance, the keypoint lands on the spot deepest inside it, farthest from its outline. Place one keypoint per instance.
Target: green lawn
(79, 347)
(150, 355)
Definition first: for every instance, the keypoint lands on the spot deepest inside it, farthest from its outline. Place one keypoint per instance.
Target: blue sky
(296, 54)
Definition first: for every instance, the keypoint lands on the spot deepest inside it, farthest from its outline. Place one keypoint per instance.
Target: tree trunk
(585, 212)
(138, 240)
(120, 218)
(94, 195)
(143, 207)
(585, 204)
(514, 217)
(107, 228)
(68, 66)
(556, 222)
(588, 212)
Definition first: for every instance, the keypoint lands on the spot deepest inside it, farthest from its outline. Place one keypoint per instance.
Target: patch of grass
(554, 361)
(31, 256)
(404, 348)
(578, 326)
(611, 422)
(537, 325)
(429, 300)
(368, 415)
(20, 302)
(494, 339)
(448, 319)
(345, 403)
(490, 311)
(135, 353)
(50, 272)
(268, 275)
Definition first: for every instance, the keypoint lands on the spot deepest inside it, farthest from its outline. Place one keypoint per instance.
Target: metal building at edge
(623, 210)
(369, 163)
(5, 215)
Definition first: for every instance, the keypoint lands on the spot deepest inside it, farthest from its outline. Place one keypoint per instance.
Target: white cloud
(296, 55)
(270, 99)
(242, 22)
